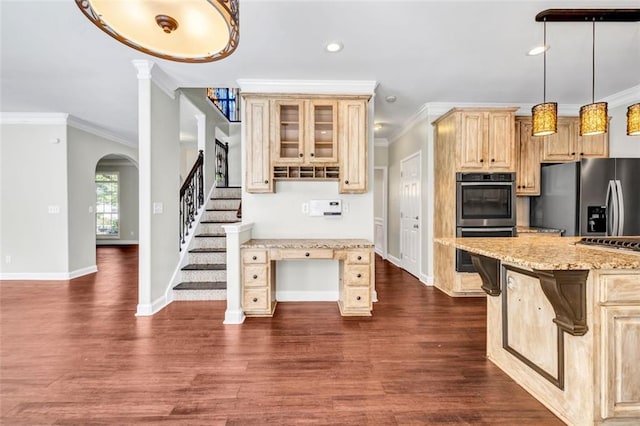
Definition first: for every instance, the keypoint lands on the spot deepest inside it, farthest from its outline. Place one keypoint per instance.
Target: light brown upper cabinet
(306, 138)
(305, 131)
(566, 145)
(486, 140)
(256, 128)
(528, 150)
(353, 146)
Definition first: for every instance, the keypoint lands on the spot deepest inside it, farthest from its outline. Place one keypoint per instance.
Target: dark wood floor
(74, 353)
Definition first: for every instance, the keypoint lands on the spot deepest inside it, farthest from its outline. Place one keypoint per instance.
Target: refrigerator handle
(611, 206)
(620, 208)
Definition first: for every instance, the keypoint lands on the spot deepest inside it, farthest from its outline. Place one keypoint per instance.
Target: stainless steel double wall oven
(485, 207)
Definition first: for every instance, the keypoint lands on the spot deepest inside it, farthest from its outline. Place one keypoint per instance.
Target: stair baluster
(191, 197)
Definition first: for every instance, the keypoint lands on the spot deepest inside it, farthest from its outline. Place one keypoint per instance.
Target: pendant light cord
(593, 61)
(544, 61)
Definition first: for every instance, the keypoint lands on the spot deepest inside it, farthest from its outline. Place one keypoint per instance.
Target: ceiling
(55, 60)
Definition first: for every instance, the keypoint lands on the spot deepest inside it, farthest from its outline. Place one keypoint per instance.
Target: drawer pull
(346, 182)
(266, 181)
(254, 257)
(255, 299)
(255, 277)
(359, 257)
(359, 275)
(300, 155)
(307, 254)
(358, 297)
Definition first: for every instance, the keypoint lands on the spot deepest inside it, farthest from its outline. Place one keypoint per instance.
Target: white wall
(165, 188)
(235, 154)
(33, 179)
(621, 145)
(188, 156)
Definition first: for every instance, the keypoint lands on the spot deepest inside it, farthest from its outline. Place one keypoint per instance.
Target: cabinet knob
(255, 299)
(359, 275)
(266, 181)
(358, 297)
(312, 154)
(582, 153)
(493, 160)
(307, 254)
(300, 155)
(346, 182)
(359, 257)
(255, 258)
(573, 153)
(255, 277)
(482, 160)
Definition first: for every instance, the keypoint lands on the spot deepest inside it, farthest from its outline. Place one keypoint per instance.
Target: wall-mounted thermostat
(325, 208)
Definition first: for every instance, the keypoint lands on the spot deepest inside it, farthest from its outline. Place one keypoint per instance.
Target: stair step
(205, 285)
(219, 221)
(209, 250)
(221, 210)
(204, 267)
(210, 235)
(225, 198)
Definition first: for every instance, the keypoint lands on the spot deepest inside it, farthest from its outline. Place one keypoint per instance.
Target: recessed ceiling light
(391, 99)
(377, 127)
(538, 50)
(334, 46)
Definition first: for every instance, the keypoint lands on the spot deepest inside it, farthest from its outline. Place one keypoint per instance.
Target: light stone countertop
(308, 243)
(534, 230)
(546, 252)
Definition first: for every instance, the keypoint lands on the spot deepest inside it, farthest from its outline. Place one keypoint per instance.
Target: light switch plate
(158, 207)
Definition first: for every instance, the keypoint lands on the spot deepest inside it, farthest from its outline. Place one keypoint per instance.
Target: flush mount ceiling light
(334, 47)
(544, 116)
(633, 120)
(377, 127)
(182, 31)
(391, 99)
(538, 50)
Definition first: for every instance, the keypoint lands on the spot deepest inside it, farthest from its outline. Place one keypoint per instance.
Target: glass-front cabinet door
(289, 131)
(322, 141)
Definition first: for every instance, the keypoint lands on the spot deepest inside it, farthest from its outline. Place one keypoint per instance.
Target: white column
(144, 187)
(236, 235)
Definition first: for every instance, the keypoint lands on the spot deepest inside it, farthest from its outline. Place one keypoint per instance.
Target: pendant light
(544, 116)
(593, 116)
(633, 120)
(182, 31)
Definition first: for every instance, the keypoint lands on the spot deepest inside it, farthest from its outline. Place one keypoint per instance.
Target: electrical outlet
(7, 259)
(305, 208)
(53, 209)
(158, 207)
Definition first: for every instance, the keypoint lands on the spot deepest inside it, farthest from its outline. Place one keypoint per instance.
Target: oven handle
(490, 229)
(488, 183)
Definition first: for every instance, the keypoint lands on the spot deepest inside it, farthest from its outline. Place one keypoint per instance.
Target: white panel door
(410, 214)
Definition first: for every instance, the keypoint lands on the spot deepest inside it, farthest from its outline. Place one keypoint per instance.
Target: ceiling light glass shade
(544, 119)
(633, 120)
(593, 119)
(183, 31)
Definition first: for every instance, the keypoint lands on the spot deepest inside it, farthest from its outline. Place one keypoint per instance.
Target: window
(107, 204)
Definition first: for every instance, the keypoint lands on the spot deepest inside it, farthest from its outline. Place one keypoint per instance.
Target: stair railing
(191, 197)
(222, 164)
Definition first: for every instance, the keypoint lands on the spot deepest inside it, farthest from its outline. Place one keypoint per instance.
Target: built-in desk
(259, 257)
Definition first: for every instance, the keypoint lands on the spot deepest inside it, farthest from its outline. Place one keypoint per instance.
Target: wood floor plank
(73, 352)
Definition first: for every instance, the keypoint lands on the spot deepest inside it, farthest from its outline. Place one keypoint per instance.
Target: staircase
(204, 277)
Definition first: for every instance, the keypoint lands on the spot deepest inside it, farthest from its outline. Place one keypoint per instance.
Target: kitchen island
(563, 320)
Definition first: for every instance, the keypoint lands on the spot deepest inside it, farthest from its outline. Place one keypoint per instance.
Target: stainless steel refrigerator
(595, 196)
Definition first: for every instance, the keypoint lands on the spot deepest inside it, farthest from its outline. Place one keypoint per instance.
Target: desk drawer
(619, 287)
(254, 275)
(255, 300)
(306, 254)
(357, 297)
(362, 257)
(356, 275)
(254, 256)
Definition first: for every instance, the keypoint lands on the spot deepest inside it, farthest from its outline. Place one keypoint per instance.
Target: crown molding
(33, 118)
(96, 130)
(147, 70)
(624, 98)
(316, 87)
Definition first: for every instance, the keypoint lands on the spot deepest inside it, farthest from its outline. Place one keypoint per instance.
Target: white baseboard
(306, 296)
(148, 309)
(48, 276)
(116, 242)
(395, 261)
(426, 280)
(380, 252)
(234, 317)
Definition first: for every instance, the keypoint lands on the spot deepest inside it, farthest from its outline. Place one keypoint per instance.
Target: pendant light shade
(544, 116)
(593, 117)
(183, 31)
(633, 120)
